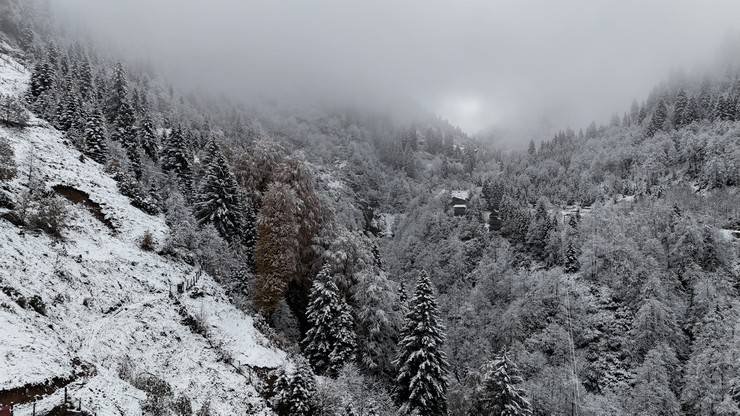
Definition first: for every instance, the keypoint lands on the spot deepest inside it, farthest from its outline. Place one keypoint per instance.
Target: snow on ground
(59, 164)
(729, 235)
(13, 76)
(107, 301)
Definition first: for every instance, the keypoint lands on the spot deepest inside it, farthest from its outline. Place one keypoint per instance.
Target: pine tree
(658, 119)
(209, 152)
(718, 112)
(299, 399)
(403, 297)
(642, 114)
(652, 394)
(76, 132)
(421, 383)
(175, 158)
(500, 392)
(219, 202)
(539, 230)
(95, 145)
(85, 80)
(572, 265)
(119, 93)
(42, 78)
(148, 137)
(26, 37)
(691, 114)
(726, 110)
(679, 110)
(68, 111)
(123, 123)
(330, 342)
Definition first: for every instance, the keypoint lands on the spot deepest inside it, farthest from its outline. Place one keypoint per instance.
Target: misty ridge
(481, 65)
(417, 208)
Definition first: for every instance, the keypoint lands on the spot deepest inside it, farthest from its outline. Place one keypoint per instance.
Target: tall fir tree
(219, 201)
(42, 78)
(691, 114)
(539, 230)
(95, 145)
(421, 383)
(176, 158)
(500, 392)
(69, 108)
(85, 80)
(652, 394)
(679, 109)
(148, 137)
(572, 265)
(329, 343)
(299, 400)
(658, 120)
(118, 92)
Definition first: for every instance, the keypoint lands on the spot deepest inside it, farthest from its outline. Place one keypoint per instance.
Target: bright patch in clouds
(466, 112)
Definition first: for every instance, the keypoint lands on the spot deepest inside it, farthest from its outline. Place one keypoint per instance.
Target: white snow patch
(14, 77)
(729, 235)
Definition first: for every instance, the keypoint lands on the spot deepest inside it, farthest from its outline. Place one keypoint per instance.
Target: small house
(459, 200)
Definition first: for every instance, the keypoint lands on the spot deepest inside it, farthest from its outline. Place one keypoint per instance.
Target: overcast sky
(479, 63)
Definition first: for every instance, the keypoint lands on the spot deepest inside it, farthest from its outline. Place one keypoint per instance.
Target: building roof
(460, 194)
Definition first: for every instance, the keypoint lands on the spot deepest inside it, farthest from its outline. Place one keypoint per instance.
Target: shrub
(8, 168)
(13, 112)
(47, 212)
(182, 406)
(147, 242)
(158, 394)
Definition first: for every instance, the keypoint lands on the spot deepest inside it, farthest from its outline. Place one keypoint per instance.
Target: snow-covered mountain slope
(106, 304)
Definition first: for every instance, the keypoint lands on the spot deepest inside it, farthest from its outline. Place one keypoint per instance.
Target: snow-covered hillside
(106, 305)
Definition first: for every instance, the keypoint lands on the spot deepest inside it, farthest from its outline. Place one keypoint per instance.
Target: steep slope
(95, 312)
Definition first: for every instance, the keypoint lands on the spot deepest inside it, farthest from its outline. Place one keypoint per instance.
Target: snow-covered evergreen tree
(652, 394)
(679, 109)
(329, 343)
(148, 137)
(95, 145)
(299, 398)
(42, 78)
(118, 93)
(85, 79)
(658, 120)
(421, 383)
(500, 392)
(176, 158)
(8, 167)
(219, 202)
(691, 114)
(572, 264)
